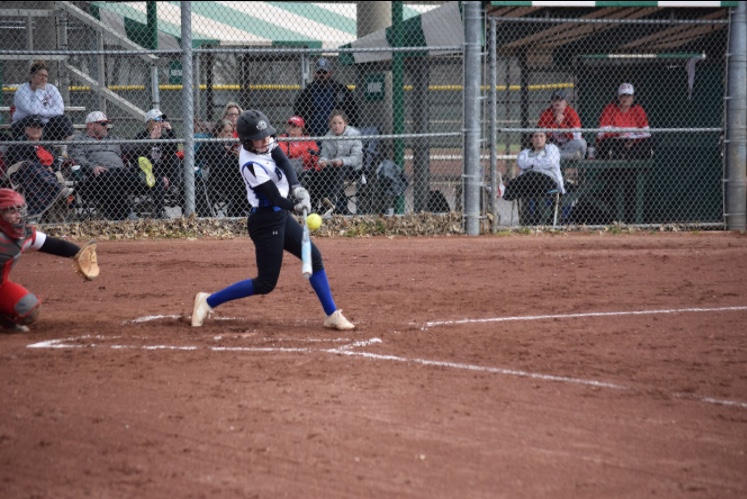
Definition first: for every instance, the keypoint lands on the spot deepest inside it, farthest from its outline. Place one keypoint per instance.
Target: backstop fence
(138, 103)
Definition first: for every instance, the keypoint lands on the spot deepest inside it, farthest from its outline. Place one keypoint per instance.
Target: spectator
(303, 153)
(37, 97)
(162, 156)
(221, 160)
(231, 112)
(540, 171)
(562, 116)
(36, 175)
(201, 129)
(337, 159)
(624, 114)
(109, 181)
(317, 101)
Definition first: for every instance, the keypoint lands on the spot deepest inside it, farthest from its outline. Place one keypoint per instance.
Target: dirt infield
(564, 366)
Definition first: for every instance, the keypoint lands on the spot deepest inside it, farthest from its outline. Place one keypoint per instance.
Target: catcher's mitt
(85, 262)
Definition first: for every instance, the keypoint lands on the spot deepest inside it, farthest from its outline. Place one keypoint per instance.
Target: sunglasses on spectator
(321, 72)
(103, 123)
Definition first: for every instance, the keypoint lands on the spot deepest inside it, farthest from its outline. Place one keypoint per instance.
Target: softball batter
(269, 177)
(18, 306)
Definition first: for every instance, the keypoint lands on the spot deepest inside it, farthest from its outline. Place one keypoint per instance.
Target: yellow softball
(314, 221)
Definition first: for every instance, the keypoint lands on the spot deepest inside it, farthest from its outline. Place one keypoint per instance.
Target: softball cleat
(338, 321)
(201, 309)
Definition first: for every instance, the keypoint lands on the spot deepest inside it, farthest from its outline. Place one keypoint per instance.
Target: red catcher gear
(10, 199)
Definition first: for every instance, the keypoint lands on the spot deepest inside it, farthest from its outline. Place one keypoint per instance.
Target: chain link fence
(640, 91)
(118, 132)
(631, 109)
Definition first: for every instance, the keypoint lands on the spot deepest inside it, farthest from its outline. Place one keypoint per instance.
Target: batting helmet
(12, 200)
(253, 125)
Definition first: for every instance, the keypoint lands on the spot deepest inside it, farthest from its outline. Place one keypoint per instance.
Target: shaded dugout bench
(607, 191)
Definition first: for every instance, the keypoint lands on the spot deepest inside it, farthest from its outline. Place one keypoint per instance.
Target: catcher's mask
(253, 125)
(13, 213)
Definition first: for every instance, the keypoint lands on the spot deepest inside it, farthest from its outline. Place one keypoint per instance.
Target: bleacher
(78, 124)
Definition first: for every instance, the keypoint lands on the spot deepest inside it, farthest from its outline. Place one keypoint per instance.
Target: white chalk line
(347, 350)
(580, 315)
(150, 318)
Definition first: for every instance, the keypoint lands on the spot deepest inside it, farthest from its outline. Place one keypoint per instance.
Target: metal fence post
(188, 111)
(736, 127)
(472, 78)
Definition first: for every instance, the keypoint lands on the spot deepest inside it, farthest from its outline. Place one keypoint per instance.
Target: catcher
(19, 307)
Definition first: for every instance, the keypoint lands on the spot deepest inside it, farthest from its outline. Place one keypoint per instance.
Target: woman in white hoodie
(540, 170)
(40, 98)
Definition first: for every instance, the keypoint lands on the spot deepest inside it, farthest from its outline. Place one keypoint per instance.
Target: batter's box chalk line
(349, 349)
(184, 317)
(456, 322)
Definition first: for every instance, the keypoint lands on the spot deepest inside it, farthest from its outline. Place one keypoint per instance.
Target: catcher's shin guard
(29, 311)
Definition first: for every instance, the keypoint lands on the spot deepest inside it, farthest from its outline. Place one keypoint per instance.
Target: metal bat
(305, 250)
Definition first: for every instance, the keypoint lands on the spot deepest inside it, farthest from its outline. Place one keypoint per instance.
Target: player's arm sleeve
(270, 191)
(282, 161)
(59, 247)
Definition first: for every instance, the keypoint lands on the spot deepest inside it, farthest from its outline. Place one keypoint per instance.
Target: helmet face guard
(13, 213)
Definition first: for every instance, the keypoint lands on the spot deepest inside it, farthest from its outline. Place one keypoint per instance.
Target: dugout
(672, 53)
(678, 91)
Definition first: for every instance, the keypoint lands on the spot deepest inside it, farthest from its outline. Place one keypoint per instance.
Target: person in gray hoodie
(108, 179)
(338, 158)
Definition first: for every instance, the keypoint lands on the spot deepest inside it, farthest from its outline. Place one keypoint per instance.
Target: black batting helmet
(253, 125)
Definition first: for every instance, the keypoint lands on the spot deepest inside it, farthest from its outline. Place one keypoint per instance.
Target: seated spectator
(161, 157)
(562, 116)
(33, 168)
(108, 179)
(221, 160)
(337, 159)
(37, 97)
(231, 112)
(540, 171)
(624, 114)
(303, 153)
(201, 130)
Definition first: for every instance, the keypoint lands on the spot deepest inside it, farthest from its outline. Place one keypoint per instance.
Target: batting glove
(303, 200)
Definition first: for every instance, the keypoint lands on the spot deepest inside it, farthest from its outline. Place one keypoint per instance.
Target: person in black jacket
(162, 168)
(219, 159)
(317, 101)
(36, 176)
